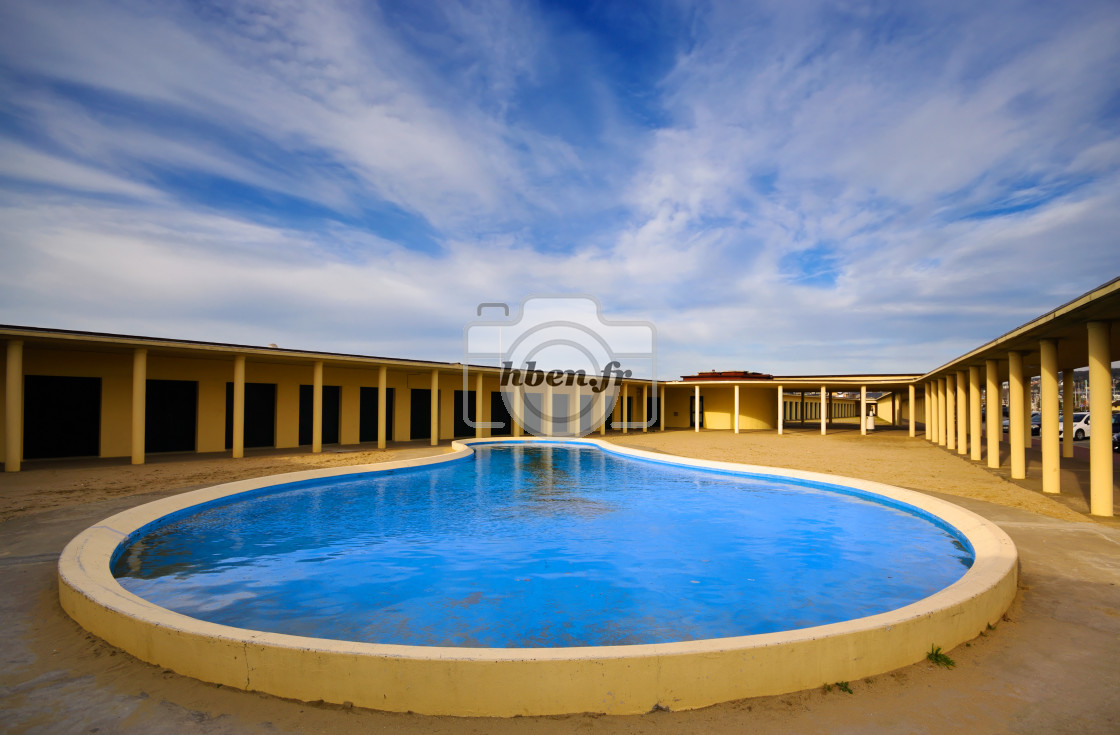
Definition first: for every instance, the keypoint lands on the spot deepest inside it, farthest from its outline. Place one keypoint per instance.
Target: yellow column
(1051, 477)
(238, 406)
(927, 404)
(1067, 412)
(13, 407)
(349, 414)
(781, 409)
(696, 411)
(546, 409)
(606, 416)
(317, 407)
(519, 410)
(951, 413)
(661, 409)
(933, 411)
(910, 411)
(863, 410)
(736, 423)
(435, 408)
(1100, 420)
(382, 409)
(139, 402)
(645, 408)
(824, 410)
(478, 405)
(974, 427)
(941, 411)
(625, 409)
(962, 412)
(992, 411)
(1015, 419)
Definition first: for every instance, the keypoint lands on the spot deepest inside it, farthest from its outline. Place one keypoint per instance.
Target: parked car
(1080, 426)
(1036, 424)
(1116, 442)
(1004, 410)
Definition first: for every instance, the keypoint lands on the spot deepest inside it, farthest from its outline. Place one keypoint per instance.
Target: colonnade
(957, 400)
(130, 405)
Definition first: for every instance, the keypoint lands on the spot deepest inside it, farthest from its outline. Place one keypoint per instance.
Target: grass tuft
(936, 656)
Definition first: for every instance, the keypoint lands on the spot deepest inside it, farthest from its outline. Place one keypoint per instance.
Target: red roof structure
(728, 375)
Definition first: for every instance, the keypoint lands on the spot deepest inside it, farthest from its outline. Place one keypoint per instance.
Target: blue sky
(789, 187)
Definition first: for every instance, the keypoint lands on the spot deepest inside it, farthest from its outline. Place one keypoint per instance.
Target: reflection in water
(554, 487)
(541, 546)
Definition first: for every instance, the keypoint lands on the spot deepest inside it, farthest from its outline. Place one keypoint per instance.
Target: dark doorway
(653, 412)
(692, 411)
(170, 415)
(586, 406)
(420, 404)
(462, 428)
(533, 409)
(332, 398)
(61, 416)
(260, 415)
(561, 424)
(499, 414)
(367, 420)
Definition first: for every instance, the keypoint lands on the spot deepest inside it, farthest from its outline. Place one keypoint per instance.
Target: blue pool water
(541, 546)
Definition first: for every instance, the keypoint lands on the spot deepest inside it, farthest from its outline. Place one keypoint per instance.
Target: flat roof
(76, 339)
(107, 340)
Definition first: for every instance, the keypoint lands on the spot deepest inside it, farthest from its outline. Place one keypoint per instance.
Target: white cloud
(796, 140)
(26, 164)
(315, 81)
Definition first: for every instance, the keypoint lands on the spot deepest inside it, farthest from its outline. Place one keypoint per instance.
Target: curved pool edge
(508, 682)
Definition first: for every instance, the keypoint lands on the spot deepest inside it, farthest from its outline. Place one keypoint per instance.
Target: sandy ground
(1050, 667)
(58, 484)
(892, 458)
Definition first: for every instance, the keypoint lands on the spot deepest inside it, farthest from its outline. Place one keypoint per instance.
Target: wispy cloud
(791, 188)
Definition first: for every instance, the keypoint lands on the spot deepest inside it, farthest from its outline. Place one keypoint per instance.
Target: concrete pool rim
(507, 682)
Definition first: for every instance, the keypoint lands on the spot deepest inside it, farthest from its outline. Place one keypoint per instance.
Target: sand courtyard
(1048, 667)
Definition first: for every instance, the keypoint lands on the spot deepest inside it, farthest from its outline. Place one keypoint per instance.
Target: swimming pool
(679, 666)
(540, 546)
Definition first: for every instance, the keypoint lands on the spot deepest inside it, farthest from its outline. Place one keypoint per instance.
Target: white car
(1080, 426)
